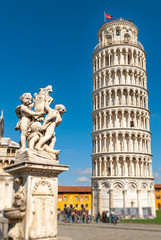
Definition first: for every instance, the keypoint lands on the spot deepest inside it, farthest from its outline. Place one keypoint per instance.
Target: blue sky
(51, 42)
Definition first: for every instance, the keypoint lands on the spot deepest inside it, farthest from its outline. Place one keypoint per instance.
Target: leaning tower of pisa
(121, 160)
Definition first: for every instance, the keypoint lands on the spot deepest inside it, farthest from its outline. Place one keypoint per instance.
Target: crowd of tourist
(108, 217)
(82, 216)
(74, 216)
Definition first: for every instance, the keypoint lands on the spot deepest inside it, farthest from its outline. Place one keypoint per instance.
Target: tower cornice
(116, 23)
(120, 86)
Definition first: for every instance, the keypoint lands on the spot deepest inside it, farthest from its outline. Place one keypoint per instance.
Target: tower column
(96, 167)
(100, 121)
(104, 99)
(105, 143)
(93, 210)
(111, 169)
(100, 167)
(125, 198)
(104, 78)
(109, 94)
(110, 143)
(104, 115)
(99, 200)
(103, 59)
(111, 198)
(105, 167)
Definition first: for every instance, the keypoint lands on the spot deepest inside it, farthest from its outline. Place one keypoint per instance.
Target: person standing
(73, 216)
(112, 216)
(83, 216)
(98, 217)
(107, 217)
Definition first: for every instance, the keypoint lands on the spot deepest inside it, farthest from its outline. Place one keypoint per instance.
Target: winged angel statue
(37, 126)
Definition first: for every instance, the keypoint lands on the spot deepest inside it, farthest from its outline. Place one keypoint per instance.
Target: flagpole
(104, 17)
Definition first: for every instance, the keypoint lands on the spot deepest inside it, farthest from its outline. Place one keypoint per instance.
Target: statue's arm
(24, 109)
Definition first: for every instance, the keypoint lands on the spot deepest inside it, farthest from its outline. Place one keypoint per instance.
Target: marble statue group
(36, 169)
(37, 126)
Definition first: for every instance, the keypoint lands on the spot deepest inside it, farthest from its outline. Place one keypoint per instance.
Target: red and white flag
(108, 16)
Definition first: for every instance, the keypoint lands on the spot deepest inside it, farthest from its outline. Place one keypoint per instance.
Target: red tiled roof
(157, 186)
(73, 189)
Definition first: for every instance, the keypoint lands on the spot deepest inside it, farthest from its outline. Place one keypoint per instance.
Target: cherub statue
(39, 136)
(42, 137)
(26, 115)
(52, 120)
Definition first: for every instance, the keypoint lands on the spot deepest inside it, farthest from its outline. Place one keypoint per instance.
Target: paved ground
(100, 231)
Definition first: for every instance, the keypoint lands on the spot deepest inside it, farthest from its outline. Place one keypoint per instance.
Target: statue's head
(61, 108)
(26, 99)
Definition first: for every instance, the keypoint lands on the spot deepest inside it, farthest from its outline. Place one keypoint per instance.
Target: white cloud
(155, 115)
(83, 180)
(157, 176)
(87, 171)
(70, 151)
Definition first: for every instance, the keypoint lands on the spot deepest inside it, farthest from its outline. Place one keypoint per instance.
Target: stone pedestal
(35, 186)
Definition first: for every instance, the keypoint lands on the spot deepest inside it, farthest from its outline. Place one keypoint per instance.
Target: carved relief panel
(44, 199)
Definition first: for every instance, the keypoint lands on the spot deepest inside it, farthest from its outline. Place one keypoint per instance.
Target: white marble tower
(121, 160)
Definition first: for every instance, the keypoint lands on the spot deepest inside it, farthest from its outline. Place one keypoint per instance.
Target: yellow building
(158, 196)
(74, 197)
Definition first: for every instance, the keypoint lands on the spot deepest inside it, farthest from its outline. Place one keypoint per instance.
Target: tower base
(128, 197)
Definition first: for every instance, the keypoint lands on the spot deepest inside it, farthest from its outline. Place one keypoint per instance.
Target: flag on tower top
(108, 16)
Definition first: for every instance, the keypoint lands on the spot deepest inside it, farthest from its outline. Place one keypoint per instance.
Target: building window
(86, 198)
(158, 196)
(109, 39)
(126, 37)
(65, 205)
(65, 198)
(86, 205)
(70, 197)
(157, 190)
(8, 151)
(76, 205)
(117, 33)
(76, 198)
(129, 59)
(159, 206)
(6, 163)
(13, 150)
(131, 123)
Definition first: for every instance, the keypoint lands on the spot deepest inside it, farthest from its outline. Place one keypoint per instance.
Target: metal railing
(111, 43)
